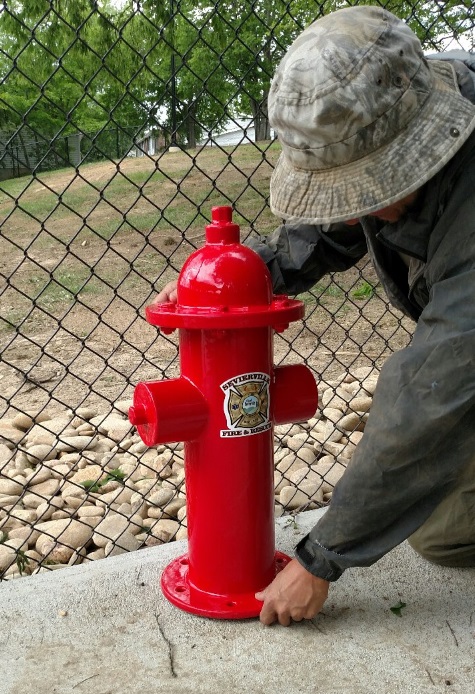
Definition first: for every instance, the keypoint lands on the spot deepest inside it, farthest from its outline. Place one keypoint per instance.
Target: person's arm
(418, 439)
(298, 256)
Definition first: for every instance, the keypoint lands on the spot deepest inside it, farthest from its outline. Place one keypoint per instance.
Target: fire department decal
(246, 404)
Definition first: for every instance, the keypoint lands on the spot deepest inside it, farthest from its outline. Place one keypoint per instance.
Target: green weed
(94, 486)
(22, 561)
(364, 291)
(396, 609)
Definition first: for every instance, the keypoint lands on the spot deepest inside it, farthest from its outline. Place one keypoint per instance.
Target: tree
(183, 67)
(252, 36)
(64, 67)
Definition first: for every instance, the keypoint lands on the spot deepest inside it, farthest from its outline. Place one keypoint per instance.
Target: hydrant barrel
(228, 469)
(232, 396)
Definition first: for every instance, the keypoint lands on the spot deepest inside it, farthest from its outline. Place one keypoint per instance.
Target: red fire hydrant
(224, 406)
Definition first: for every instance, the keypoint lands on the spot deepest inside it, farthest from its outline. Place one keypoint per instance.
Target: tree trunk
(190, 123)
(261, 119)
(25, 152)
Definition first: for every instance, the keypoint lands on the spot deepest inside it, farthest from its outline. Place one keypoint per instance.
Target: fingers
(167, 294)
(268, 616)
(283, 616)
(294, 594)
(272, 612)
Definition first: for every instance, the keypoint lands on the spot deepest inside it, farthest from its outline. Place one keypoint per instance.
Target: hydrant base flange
(180, 592)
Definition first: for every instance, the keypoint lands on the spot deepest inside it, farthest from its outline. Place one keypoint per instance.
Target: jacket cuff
(318, 560)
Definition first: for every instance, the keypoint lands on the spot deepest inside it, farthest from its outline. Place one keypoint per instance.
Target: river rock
(96, 554)
(90, 473)
(182, 533)
(45, 489)
(25, 533)
(71, 533)
(289, 463)
(121, 495)
(76, 443)
(8, 500)
(351, 422)
(165, 530)
(125, 543)
(307, 454)
(331, 474)
(87, 511)
(293, 498)
(171, 509)
(160, 497)
(41, 473)
(10, 487)
(6, 455)
(38, 453)
(10, 436)
(297, 442)
(110, 528)
(45, 510)
(23, 514)
(23, 421)
(55, 552)
(7, 557)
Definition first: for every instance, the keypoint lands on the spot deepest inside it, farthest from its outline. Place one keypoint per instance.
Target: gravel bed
(81, 486)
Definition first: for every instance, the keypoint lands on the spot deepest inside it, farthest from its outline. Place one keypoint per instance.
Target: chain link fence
(107, 113)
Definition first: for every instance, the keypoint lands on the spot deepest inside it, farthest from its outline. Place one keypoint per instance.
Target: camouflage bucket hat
(362, 117)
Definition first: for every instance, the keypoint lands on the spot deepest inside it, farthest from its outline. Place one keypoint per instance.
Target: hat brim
(388, 174)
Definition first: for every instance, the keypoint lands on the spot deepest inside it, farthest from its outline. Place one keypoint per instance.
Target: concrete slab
(120, 635)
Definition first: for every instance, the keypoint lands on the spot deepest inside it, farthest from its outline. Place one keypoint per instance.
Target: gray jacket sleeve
(298, 256)
(420, 435)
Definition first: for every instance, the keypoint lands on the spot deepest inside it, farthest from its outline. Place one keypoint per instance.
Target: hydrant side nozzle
(168, 411)
(295, 393)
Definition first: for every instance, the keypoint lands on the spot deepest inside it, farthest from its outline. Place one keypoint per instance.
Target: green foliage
(22, 560)
(94, 486)
(69, 66)
(365, 290)
(396, 609)
(116, 475)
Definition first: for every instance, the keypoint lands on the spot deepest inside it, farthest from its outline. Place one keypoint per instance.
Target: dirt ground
(82, 253)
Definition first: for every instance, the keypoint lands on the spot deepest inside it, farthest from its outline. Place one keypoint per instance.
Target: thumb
(260, 595)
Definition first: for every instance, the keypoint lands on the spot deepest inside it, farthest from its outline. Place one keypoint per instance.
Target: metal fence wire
(121, 124)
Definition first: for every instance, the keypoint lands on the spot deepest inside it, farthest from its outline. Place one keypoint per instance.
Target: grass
(174, 191)
(321, 294)
(365, 290)
(114, 225)
(115, 475)
(65, 286)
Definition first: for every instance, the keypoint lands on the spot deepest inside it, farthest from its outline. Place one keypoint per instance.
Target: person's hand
(167, 294)
(294, 594)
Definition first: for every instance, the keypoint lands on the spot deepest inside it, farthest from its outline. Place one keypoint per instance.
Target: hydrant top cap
(222, 228)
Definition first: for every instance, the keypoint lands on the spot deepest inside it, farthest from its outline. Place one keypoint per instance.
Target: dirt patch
(82, 253)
